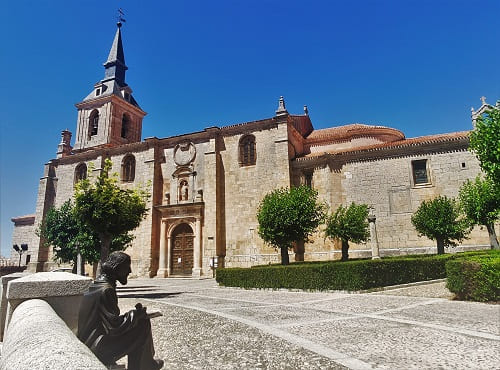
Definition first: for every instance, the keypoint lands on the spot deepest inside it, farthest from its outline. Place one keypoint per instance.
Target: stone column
(169, 253)
(197, 249)
(162, 264)
(373, 235)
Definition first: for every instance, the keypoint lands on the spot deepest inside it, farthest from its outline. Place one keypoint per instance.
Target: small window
(420, 175)
(125, 126)
(248, 154)
(308, 176)
(98, 92)
(80, 172)
(128, 168)
(93, 123)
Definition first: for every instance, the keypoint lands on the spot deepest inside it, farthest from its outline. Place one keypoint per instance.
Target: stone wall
(387, 186)
(245, 186)
(142, 245)
(22, 234)
(59, 184)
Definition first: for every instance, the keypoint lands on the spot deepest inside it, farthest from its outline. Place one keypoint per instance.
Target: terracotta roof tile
(453, 136)
(345, 132)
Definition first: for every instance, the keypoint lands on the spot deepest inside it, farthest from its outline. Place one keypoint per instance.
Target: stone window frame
(80, 173)
(93, 123)
(128, 168)
(416, 165)
(247, 151)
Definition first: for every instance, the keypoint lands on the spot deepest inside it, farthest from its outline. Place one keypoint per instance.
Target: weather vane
(120, 17)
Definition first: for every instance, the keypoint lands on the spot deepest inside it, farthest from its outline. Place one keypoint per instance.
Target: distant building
(24, 230)
(206, 186)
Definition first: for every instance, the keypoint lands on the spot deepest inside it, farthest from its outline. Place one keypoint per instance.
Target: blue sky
(417, 66)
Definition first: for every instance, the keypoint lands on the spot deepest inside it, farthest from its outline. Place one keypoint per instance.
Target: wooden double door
(182, 250)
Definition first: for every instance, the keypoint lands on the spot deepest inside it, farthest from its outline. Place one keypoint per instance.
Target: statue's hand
(140, 311)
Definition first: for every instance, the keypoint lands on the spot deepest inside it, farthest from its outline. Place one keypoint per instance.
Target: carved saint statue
(108, 334)
(184, 190)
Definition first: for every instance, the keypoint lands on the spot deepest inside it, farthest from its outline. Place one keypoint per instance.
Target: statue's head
(117, 267)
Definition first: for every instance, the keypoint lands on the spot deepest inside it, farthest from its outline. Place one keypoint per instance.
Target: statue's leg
(137, 343)
(142, 357)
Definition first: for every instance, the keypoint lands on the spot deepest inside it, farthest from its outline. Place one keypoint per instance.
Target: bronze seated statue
(109, 335)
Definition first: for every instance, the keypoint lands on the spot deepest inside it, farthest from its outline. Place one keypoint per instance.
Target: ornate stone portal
(181, 239)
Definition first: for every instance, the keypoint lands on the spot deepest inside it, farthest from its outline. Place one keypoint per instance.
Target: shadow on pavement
(148, 295)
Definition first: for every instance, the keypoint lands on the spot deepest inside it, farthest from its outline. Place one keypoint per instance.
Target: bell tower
(109, 116)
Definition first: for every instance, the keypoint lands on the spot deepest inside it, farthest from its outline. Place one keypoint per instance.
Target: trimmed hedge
(336, 275)
(475, 278)
(6, 270)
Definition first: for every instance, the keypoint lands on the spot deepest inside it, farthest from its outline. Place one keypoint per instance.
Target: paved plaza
(205, 326)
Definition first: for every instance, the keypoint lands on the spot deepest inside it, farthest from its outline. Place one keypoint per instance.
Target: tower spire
(96, 127)
(115, 65)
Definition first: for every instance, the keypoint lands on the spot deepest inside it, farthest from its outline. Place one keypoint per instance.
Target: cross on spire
(120, 18)
(483, 99)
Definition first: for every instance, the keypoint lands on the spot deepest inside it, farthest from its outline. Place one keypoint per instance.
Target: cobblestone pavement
(209, 327)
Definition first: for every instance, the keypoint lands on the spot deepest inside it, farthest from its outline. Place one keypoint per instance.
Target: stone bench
(41, 320)
(37, 338)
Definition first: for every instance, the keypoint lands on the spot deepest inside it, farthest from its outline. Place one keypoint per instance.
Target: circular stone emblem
(184, 153)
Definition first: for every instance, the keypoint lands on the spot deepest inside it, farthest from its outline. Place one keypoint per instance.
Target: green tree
(63, 230)
(485, 142)
(440, 219)
(348, 224)
(480, 201)
(288, 216)
(108, 210)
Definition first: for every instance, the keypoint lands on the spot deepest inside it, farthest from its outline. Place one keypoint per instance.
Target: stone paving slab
(445, 313)
(362, 303)
(283, 316)
(392, 345)
(434, 290)
(208, 327)
(190, 339)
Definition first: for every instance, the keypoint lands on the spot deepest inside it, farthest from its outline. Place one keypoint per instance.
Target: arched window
(93, 122)
(248, 155)
(128, 168)
(80, 172)
(125, 125)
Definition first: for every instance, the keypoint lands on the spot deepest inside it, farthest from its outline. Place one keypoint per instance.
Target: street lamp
(24, 248)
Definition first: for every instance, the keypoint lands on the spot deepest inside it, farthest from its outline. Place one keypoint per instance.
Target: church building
(206, 186)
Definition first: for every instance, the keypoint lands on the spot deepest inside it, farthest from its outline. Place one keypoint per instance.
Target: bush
(336, 275)
(475, 277)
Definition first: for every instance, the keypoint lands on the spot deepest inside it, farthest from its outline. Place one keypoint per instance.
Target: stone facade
(206, 186)
(22, 234)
